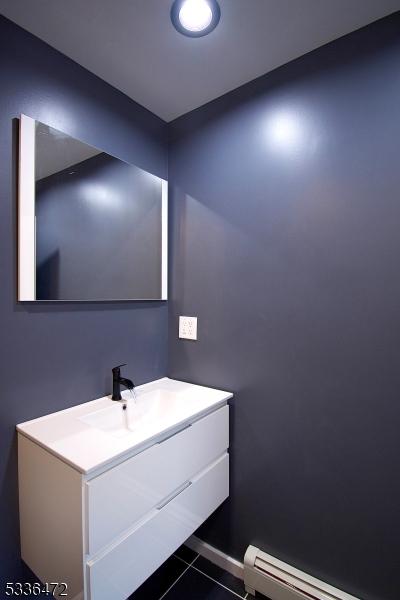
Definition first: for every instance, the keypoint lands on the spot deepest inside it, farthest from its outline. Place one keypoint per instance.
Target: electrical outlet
(188, 328)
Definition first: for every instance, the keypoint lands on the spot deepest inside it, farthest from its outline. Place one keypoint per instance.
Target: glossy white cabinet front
(125, 494)
(115, 529)
(127, 565)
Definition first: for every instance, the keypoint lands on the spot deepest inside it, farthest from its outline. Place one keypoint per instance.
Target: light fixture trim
(215, 12)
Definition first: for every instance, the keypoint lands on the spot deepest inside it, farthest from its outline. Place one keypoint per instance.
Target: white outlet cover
(188, 328)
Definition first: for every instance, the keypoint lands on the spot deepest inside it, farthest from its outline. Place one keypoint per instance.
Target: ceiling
(132, 44)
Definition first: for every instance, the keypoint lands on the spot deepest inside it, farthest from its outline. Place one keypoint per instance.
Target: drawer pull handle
(174, 433)
(174, 495)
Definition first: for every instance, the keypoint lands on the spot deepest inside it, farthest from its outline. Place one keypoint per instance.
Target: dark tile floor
(188, 576)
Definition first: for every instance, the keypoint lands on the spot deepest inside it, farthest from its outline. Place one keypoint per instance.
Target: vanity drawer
(120, 497)
(125, 567)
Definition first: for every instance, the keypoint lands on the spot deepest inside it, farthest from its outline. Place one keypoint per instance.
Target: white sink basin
(113, 420)
(142, 410)
(94, 433)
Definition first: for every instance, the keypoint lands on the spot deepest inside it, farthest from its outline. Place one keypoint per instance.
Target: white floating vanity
(107, 495)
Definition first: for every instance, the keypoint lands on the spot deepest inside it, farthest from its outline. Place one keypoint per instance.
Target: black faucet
(118, 381)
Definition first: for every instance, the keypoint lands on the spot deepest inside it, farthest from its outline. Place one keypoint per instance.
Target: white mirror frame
(27, 228)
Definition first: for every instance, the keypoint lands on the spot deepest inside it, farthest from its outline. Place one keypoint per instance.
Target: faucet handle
(117, 368)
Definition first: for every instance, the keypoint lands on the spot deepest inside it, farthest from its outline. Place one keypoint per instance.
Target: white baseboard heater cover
(279, 581)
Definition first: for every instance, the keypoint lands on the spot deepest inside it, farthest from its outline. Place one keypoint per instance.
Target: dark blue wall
(55, 356)
(286, 245)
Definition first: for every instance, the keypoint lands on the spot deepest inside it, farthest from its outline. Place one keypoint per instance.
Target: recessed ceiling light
(195, 18)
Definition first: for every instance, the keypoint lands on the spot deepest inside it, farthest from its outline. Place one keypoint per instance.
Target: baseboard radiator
(279, 581)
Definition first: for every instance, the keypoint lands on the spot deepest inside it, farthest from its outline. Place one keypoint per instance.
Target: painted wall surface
(98, 232)
(54, 356)
(286, 221)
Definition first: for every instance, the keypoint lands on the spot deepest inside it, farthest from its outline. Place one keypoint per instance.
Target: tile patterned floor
(188, 576)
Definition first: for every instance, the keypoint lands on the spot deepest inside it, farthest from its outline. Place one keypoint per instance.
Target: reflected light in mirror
(100, 195)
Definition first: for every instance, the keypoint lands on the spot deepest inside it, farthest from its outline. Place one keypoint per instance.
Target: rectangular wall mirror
(91, 226)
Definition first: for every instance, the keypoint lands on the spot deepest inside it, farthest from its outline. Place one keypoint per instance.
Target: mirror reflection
(98, 223)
